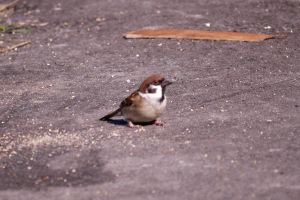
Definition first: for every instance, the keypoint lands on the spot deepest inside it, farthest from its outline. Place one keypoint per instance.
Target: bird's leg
(131, 125)
(158, 123)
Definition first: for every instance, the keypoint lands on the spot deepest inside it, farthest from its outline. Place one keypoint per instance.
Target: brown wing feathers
(125, 102)
(128, 100)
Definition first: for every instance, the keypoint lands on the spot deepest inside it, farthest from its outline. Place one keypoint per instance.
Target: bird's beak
(166, 83)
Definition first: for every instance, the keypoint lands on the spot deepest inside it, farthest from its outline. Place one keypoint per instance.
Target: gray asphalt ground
(232, 120)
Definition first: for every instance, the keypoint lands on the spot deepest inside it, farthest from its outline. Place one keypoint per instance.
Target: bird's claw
(131, 125)
(158, 123)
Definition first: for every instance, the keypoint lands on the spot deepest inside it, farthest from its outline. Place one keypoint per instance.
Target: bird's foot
(131, 125)
(158, 123)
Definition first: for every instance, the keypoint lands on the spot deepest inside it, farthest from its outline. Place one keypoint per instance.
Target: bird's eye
(155, 82)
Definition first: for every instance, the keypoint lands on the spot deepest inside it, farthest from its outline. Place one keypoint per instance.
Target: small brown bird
(145, 104)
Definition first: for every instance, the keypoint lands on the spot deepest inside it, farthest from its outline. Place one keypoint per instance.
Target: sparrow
(145, 104)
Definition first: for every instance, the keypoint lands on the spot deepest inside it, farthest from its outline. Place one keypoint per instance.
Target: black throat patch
(153, 90)
(163, 94)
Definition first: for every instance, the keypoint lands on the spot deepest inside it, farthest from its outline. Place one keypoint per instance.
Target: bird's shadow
(121, 122)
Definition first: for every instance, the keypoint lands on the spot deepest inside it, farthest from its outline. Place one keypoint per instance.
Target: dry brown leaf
(197, 34)
(4, 6)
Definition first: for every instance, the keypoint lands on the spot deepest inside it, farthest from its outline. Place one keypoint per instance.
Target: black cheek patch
(151, 90)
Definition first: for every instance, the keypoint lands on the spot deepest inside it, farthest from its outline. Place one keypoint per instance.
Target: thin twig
(12, 40)
(15, 46)
(4, 6)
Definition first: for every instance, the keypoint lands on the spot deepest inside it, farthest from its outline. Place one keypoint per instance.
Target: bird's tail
(110, 115)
